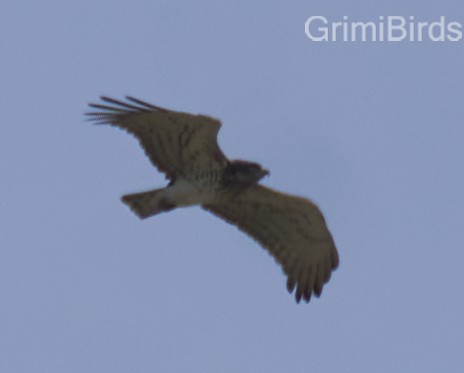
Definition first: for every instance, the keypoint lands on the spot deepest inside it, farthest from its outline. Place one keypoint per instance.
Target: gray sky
(372, 132)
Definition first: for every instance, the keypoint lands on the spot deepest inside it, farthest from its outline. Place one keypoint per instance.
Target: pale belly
(185, 193)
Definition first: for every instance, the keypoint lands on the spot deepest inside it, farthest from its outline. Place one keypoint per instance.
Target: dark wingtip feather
(307, 296)
(120, 105)
(335, 261)
(298, 294)
(146, 104)
(318, 290)
(290, 285)
(140, 104)
(111, 108)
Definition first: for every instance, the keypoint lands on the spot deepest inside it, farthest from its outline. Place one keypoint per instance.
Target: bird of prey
(184, 147)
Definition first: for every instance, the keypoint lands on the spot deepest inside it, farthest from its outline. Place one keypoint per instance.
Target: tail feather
(146, 204)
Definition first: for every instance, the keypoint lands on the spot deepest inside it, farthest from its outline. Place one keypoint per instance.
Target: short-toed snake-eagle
(184, 147)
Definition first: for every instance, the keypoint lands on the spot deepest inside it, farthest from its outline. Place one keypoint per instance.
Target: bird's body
(184, 147)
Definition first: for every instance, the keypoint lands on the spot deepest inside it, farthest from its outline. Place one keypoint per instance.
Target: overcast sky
(372, 132)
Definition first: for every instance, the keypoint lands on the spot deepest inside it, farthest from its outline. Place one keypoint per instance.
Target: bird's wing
(291, 228)
(177, 143)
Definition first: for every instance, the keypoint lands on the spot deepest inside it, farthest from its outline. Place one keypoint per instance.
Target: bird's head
(243, 173)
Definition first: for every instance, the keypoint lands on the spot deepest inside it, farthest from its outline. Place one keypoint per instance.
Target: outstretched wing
(292, 229)
(177, 143)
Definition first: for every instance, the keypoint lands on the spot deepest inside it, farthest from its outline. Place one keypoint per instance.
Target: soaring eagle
(184, 146)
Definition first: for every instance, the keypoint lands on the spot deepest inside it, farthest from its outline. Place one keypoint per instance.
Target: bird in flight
(184, 147)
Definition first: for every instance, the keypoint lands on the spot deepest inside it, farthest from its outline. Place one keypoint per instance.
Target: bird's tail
(146, 204)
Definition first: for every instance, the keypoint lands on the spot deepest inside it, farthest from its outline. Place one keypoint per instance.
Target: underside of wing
(291, 228)
(177, 143)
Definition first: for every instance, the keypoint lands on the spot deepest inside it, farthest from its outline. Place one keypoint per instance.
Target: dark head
(243, 173)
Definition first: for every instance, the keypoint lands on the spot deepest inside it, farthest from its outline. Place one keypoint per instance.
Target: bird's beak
(265, 172)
